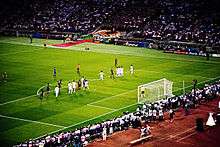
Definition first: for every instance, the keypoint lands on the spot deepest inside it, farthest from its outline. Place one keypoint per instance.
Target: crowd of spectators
(144, 113)
(63, 16)
(177, 21)
(188, 21)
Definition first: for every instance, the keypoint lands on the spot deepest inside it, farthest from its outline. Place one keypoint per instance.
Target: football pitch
(30, 66)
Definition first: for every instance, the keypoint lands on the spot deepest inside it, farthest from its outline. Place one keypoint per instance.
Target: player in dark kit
(41, 95)
(78, 69)
(48, 89)
(207, 56)
(54, 72)
(116, 62)
(79, 84)
(112, 74)
(31, 38)
(4, 77)
(59, 83)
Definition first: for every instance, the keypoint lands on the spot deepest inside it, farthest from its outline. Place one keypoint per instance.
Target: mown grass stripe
(20, 99)
(100, 107)
(79, 123)
(32, 121)
(129, 53)
(103, 99)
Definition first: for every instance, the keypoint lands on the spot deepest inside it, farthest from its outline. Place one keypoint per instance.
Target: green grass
(30, 67)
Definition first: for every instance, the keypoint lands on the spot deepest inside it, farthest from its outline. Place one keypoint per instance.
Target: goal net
(155, 91)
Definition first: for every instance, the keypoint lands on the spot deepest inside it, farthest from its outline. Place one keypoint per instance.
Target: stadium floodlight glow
(155, 91)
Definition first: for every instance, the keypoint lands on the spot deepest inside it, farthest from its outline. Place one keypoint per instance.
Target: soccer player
(56, 91)
(41, 95)
(54, 72)
(101, 75)
(70, 88)
(78, 69)
(64, 38)
(31, 38)
(131, 69)
(142, 92)
(74, 86)
(79, 84)
(4, 76)
(112, 74)
(117, 72)
(48, 89)
(122, 71)
(207, 56)
(59, 83)
(82, 82)
(86, 84)
(116, 62)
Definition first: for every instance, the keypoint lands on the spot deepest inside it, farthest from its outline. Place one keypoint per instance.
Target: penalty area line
(32, 121)
(9, 102)
(100, 107)
(79, 123)
(106, 98)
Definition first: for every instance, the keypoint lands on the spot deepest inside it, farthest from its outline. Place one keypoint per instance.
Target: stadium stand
(185, 21)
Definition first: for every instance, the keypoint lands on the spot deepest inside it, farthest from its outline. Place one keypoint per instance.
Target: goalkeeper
(142, 92)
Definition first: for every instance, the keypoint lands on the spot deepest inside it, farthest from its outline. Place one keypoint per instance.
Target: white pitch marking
(174, 135)
(116, 111)
(112, 96)
(40, 89)
(32, 121)
(103, 51)
(93, 79)
(182, 138)
(198, 83)
(100, 106)
(86, 120)
(28, 51)
(106, 97)
(178, 134)
(9, 102)
(171, 73)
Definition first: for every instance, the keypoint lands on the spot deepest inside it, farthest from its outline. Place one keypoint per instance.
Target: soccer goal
(155, 90)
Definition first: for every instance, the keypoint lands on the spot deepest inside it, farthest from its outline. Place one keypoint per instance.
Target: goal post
(155, 90)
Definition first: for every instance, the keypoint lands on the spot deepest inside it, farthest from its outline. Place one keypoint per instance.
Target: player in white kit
(101, 75)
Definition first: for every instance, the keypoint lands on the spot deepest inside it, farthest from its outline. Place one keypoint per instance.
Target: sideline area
(182, 134)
